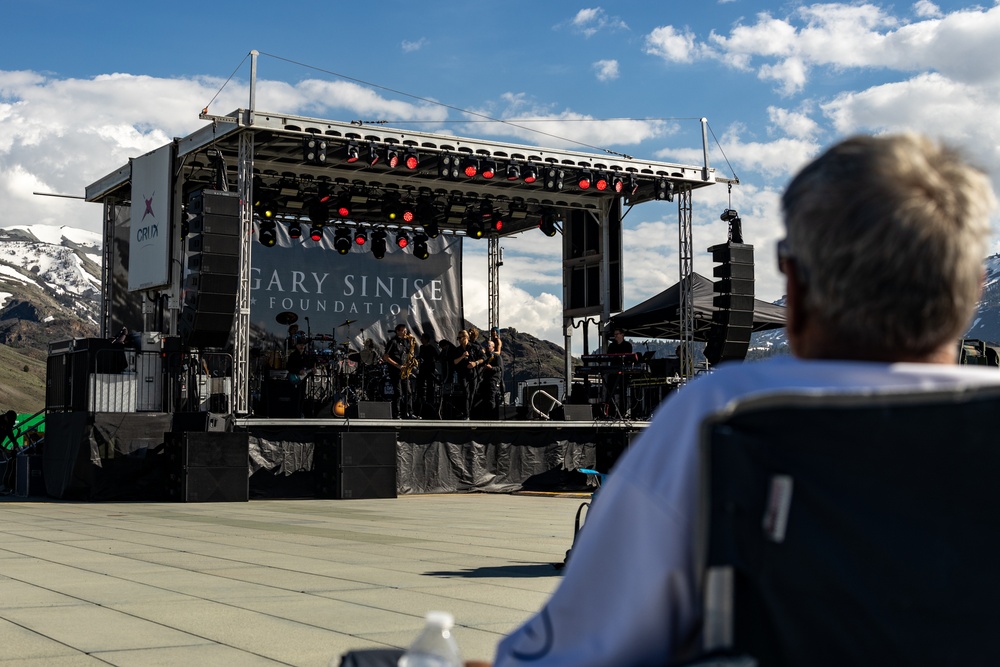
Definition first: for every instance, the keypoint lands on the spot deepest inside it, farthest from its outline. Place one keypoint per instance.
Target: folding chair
(853, 530)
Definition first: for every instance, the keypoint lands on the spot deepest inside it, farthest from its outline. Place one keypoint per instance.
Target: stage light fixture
(342, 240)
(489, 169)
(529, 174)
(378, 244)
(373, 155)
(392, 209)
(427, 215)
(408, 212)
(316, 233)
(513, 172)
(314, 150)
(554, 178)
(448, 166)
(474, 226)
(420, 247)
(617, 184)
(402, 240)
(584, 179)
(342, 207)
(470, 167)
(263, 199)
(548, 223)
(431, 229)
(664, 190)
(601, 182)
(391, 157)
(411, 159)
(632, 187)
(353, 153)
(267, 233)
(317, 212)
(295, 229)
(496, 221)
(360, 236)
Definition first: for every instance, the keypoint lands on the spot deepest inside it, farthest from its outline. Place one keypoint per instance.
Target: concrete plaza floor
(269, 582)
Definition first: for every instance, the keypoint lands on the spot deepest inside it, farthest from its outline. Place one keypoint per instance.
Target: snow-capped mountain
(50, 284)
(985, 324)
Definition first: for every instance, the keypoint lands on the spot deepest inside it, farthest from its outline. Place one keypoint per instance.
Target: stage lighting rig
(342, 240)
(411, 160)
(314, 150)
(601, 182)
(448, 166)
(420, 247)
(513, 172)
(617, 184)
(549, 223)
(554, 178)
(360, 236)
(529, 174)
(378, 243)
(584, 179)
(391, 157)
(295, 229)
(267, 233)
(402, 240)
(470, 167)
(489, 169)
(316, 232)
(664, 190)
(353, 152)
(373, 155)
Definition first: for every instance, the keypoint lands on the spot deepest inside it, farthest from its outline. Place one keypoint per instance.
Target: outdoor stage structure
(217, 242)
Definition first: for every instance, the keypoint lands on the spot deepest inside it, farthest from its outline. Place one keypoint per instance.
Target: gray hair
(889, 235)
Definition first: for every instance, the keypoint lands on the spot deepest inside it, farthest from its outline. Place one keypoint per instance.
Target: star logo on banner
(253, 301)
(149, 206)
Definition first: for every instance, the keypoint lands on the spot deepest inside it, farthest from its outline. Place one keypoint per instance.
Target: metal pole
(704, 147)
(685, 244)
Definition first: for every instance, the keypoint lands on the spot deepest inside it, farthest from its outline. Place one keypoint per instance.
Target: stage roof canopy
(305, 167)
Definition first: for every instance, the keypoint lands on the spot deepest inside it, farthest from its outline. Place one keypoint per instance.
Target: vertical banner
(341, 300)
(149, 231)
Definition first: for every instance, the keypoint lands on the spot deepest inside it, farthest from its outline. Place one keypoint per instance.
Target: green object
(26, 423)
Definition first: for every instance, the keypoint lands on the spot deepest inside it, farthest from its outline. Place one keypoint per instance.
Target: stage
(184, 458)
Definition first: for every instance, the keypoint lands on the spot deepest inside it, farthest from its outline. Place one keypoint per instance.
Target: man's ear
(796, 313)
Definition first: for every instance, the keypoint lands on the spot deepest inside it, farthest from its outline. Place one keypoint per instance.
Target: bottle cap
(441, 618)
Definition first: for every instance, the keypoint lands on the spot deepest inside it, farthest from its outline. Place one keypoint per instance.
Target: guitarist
(398, 355)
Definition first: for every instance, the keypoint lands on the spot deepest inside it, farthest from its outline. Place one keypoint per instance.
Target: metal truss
(241, 336)
(494, 262)
(685, 247)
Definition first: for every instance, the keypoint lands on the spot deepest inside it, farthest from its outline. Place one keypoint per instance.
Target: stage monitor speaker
(374, 410)
(732, 321)
(356, 465)
(583, 413)
(208, 467)
(213, 266)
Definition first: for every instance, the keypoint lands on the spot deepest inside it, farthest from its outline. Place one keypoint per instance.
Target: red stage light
(402, 241)
(470, 168)
(412, 161)
(601, 183)
(489, 169)
(583, 181)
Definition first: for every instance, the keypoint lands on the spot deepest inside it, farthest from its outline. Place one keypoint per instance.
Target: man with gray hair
(884, 265)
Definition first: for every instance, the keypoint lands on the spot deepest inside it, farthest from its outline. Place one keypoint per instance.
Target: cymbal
(346, 322)
(286, 318)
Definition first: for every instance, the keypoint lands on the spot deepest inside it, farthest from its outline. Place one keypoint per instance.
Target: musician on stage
(401, 359)
(489, 385)
(614, 383)
(428, 389)
(301, 361)
(466, 362)
(618, 344)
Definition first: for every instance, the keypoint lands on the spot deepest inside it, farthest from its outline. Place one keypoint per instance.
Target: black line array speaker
(208, 467)
(732, 320)
(211, 284)
(356, 465)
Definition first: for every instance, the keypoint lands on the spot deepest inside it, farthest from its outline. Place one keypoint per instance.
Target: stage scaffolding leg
(685, 244)
(494, 262)
(241, 337)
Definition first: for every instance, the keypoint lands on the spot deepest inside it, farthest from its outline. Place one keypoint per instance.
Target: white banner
(149, 229)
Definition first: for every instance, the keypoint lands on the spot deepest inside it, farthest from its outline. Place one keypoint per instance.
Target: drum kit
(338, 375)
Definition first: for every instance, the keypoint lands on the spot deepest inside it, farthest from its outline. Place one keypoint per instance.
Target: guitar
(339, 408)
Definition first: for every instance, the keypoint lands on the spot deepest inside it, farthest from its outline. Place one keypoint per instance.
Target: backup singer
(397, 351)
(428, 392)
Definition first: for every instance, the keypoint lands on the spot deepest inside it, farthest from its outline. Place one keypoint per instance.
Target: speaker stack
(732, 320)
(356, 465)
(208, 467)
(212, 281)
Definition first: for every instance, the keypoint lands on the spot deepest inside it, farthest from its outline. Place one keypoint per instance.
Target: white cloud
(590, 21)
(791, 123)
(672, 45)
(607, 70)
(926, 9)
(409, 46)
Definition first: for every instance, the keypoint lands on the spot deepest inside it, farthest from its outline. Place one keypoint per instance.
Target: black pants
(402, 397)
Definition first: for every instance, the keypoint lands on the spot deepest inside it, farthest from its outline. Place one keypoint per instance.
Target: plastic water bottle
(434, 646)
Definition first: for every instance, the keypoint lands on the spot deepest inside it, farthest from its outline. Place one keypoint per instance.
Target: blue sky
(86, 85)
